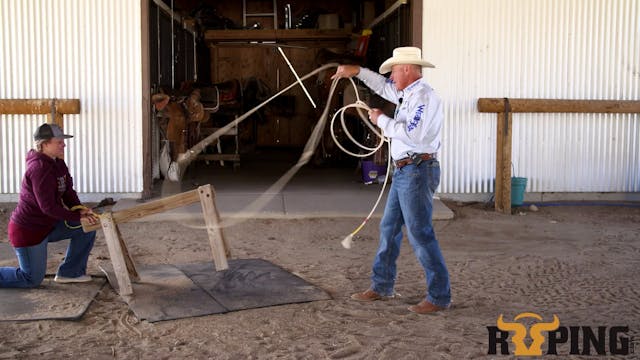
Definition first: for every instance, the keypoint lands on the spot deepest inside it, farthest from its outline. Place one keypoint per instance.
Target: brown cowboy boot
(425, 307)
(368, 295)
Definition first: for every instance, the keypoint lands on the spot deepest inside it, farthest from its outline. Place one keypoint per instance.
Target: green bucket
(518, 185)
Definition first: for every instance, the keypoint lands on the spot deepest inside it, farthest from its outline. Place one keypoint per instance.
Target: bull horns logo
(521, 332)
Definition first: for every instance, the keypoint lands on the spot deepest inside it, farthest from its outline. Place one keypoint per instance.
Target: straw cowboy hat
(405, 55)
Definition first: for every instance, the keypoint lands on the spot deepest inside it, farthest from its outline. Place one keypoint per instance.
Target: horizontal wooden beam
(39, 106)
(216, 36)
(216, 157)
(150, 208)
(496, 105)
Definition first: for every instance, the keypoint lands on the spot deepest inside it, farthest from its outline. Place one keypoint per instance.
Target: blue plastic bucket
(371, 172)
(518, 185)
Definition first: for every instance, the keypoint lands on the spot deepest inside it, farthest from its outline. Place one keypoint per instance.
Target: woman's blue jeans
(33, 259)
(410, 203)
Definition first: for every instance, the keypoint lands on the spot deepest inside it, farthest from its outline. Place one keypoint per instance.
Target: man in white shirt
(415, 133)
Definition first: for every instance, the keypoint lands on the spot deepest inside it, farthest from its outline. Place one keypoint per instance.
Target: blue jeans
(410, 203)
(33, 259)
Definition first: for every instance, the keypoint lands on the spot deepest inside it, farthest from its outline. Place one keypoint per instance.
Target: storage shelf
(282, 35)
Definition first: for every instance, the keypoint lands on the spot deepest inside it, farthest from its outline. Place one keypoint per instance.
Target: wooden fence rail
(54, 108)
(504, 107)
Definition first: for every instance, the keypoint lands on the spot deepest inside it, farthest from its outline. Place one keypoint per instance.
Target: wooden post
(128, 260)
(503, 163)
(218, 244)
(116, 252)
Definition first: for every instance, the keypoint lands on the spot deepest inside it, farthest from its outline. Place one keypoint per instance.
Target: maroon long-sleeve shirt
(45, 197)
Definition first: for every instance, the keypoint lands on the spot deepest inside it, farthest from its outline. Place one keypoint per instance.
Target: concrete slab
(288, 205)
(441, 211)
(312, 192)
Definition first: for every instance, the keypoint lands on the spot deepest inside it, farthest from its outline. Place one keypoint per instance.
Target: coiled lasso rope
(369, 151)
(176, 169)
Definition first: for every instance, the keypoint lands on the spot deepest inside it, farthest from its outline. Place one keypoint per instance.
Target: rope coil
(359, 105)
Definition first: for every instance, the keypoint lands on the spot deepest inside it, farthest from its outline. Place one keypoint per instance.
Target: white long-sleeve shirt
(417, 124)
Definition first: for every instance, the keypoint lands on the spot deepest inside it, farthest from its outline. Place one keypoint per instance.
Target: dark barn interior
(228, 53)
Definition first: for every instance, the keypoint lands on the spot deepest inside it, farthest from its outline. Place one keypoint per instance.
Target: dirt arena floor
(577, 262)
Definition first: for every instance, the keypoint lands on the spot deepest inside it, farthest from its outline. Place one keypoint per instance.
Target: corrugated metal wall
(90, 50)
(566, 49)
(559, 49)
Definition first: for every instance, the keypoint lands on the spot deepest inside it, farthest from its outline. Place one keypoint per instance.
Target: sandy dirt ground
(579, 263)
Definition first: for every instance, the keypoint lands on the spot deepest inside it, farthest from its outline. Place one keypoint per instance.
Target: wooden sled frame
(123, 265)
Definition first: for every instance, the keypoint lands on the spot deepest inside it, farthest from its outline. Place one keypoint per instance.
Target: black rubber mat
(49, 301)
(252, 283)
(167, 292)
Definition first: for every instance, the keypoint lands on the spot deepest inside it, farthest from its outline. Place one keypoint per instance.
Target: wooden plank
(216, 36)
(114, 246)
(216, 157)
(150, 208)
(239, 62)
(39, 106)
(503, 163)
(218, 244)
(496, 105)
(128, 261)
(239, 35)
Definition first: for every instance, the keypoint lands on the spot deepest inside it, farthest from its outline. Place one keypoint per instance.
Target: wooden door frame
(416, 23)
(147, 173)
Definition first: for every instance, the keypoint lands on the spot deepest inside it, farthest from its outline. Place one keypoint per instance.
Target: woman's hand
(89, 216)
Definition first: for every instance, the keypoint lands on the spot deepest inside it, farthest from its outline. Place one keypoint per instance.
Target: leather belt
(415, 158)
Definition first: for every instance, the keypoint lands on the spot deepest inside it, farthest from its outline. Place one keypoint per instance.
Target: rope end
(346, 243)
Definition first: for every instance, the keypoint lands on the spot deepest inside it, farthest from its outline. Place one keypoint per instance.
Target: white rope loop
(359, 105)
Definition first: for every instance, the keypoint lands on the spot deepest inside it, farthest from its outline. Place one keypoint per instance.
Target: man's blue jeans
(33, 259)
(410, 203)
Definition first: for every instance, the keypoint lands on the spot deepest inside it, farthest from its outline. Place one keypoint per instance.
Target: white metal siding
(90, 50)
(562, 49)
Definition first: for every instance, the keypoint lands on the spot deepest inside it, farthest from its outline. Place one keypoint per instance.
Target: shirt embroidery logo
(416, 118)
(62, 185)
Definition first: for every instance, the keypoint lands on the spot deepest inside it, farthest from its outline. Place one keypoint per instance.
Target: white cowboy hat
(405, 55)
